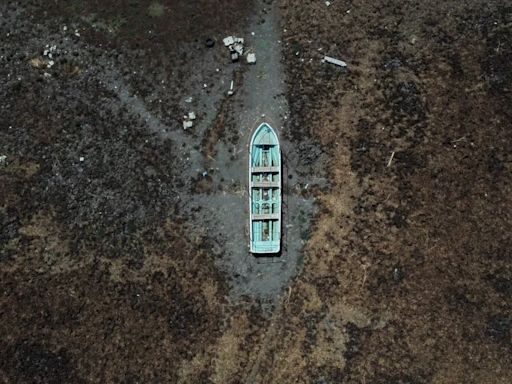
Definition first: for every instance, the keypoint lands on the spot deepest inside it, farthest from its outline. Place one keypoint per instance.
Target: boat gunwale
(275, 249)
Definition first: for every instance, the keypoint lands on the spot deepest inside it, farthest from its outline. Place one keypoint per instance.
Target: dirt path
(260, 96)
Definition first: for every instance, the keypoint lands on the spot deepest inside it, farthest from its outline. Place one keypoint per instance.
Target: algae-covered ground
(123, 237)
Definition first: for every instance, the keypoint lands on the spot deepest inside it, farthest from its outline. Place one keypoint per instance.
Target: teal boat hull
(265, 191)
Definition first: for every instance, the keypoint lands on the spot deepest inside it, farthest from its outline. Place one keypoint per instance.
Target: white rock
(230, 40)
(81, 158)
(192, 115)
(3, 158)
(251, 58)
(65, 28)
(327, 3)
(188, 99)
(239, 40)
(187, 124)
(239, 48)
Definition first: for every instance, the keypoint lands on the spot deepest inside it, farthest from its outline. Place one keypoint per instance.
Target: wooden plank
(265, 184)
(266, 216)
(264, 169)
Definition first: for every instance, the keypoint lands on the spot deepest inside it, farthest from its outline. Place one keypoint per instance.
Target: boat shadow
(268, 256)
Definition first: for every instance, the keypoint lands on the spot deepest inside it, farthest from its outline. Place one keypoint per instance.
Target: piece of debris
(188, 99)
(398, 273)
(81, 159)
(3, 158)
(251, 58)
(391, 159)
(187, 124)
(327, 3)
(37, 62)
(235, 46)
(231, 92)
(191, 115)
(205, 173)
(334, 61)
(210, 43)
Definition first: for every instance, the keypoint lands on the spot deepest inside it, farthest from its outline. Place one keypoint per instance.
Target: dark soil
(106, 275)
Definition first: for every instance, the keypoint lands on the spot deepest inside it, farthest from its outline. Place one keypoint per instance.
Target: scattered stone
(188, 99)
(327, 3)
(251, 58)
(230, 40)
(187, 124)
(334, 61)
(3, 158)
(235, 46)
(65, 28)
(205, 173)
(81, 159)
(238, 48)
(192, 115)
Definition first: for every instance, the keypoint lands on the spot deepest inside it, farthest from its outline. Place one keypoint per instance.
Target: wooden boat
(265, 191)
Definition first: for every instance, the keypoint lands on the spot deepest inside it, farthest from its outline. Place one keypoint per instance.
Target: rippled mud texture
(107, 274)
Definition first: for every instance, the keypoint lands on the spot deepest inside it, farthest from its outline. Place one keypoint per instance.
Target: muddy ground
(123, 237)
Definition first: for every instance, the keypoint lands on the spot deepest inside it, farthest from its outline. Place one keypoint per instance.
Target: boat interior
(265, 193)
